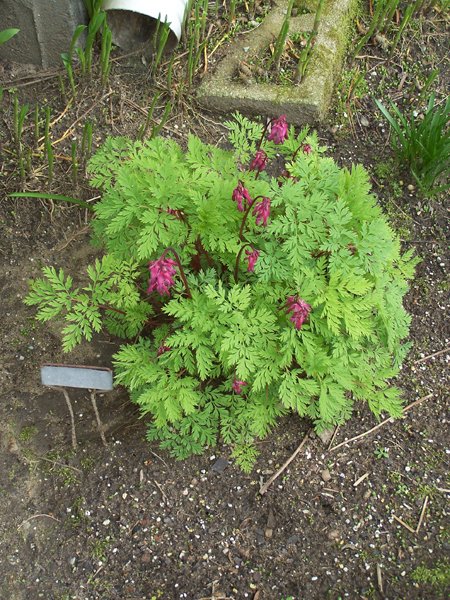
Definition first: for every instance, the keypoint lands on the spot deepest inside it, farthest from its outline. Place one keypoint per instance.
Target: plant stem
(264, 133)
(238, 258)
(180, 267)
(244, 219)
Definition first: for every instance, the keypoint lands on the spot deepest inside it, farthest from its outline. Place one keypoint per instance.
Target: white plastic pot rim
(171, 11)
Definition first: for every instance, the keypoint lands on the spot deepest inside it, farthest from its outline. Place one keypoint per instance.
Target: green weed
(422, 145)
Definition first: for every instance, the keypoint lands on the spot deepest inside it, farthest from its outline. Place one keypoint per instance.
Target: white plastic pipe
(171, 11)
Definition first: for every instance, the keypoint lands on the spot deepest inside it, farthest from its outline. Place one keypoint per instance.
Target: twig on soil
(421, 360)
(71, 238)
(361, 479)
(422, 514)
(263, 489)
(213, 594)
(405, 525)
(444, 490)
(379, 579)
(336, 429)
(161, 459)
(390, 419)
(72, 127)
(55, 462)
(92, 577)
(36, 516)
(163, 493)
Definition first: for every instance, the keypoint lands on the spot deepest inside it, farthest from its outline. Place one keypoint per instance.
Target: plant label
(92, 378)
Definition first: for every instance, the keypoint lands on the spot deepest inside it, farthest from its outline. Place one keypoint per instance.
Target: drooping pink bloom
(252, 257)
(241, 193)
(162, 349)
(279, 130)
(299, 309)
(162, 272)
(262, 211)
(259, 162)
(306, 148)
(238, 385)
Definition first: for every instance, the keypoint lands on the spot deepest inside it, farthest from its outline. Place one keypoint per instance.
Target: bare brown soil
(127, 521)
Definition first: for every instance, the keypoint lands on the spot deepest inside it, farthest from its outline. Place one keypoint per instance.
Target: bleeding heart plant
(254, 286)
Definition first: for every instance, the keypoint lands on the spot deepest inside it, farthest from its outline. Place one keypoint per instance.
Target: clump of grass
(423, 145)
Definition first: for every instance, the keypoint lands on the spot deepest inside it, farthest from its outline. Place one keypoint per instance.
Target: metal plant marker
(94, 379)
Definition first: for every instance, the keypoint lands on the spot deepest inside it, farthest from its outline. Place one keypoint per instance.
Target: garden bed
(128, 521)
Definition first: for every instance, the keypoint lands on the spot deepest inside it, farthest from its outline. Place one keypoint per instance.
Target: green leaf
(7, 34)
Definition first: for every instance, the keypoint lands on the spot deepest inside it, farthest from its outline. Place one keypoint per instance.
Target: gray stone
(46, 29)
(220, 465)
(304, 103)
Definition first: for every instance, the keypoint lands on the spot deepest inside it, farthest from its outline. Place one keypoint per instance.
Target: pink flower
(259, 162)
(262, 211)
(238, 385)
(279, 130)
(299, 309)
(241, 193)
(162, 349)
(306, 148)
(162, 272)
(252, 257)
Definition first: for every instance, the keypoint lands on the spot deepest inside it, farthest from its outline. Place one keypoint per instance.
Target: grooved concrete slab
(46, 29)
(307, 102)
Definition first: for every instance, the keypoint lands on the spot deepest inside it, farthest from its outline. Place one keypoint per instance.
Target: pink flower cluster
(259, 162)
(262, 211)
(279, 130)
(163, 349)
(241, 193)
(162, 272)
(299, 309)
(238, 385)
(252, 257)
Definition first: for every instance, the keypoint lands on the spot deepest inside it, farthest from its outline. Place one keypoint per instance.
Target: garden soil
(127, 521)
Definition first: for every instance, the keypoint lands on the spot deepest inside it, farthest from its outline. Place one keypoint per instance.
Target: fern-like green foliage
(326, 242)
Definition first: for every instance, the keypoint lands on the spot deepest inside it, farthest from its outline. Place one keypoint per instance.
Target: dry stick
(55, 462)
(36, 516)
(263, 489)
(432, 355)
(405, 525)
(97, 416)
(336, 429)
(71, 128)
(379, 579)
(361, 479)
(422, 514)
(361, 435)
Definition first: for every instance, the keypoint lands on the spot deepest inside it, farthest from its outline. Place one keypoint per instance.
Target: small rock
(367, 494)
(294, 539)
(325, 436)
(364, 121)
(334, 534)
(268, 533)
(325, 474)
(146, 558)
(220, 465)
(411, 188)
